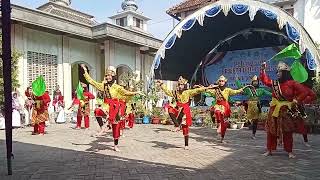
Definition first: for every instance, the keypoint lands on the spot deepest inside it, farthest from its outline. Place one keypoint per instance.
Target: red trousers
(287, 142)
(130, 120)
(185, 130)
(86, 121)
(223, 124)
(122, 124)
(116, 131)
(39, 128)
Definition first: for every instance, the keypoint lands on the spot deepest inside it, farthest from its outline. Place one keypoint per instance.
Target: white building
(55, 39)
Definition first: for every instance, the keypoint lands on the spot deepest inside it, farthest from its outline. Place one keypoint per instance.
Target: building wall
(69, 51)
(125, 55)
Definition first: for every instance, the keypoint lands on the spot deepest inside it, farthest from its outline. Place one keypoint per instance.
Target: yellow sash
(278, 104)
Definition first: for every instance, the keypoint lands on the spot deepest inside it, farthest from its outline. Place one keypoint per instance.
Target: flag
(299, 72)
(292, 51)
(80, 92)
(39, 86)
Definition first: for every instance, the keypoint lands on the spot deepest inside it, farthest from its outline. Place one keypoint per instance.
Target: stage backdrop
(242, 64)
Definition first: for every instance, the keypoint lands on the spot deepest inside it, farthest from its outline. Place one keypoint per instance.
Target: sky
(160, 25)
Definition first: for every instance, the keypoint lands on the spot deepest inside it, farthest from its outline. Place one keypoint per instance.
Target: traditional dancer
(130, 111)
(40, 113)
(114, 97)
(181, 114)
(286, 95)
(222, 108)
(254, 93)
(84, 108)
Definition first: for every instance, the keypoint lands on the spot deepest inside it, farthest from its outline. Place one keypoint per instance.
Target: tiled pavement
(153, 152)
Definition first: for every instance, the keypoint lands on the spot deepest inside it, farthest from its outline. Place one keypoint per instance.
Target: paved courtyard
(153, 152)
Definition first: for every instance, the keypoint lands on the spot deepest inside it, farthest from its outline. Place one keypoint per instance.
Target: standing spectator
(28, 105)
(16, 108)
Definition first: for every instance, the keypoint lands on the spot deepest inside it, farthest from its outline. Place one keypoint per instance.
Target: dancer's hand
(140, 93)
(263, 66)
(159, 82)
(84, 67)
(295, 102)
(197, 86)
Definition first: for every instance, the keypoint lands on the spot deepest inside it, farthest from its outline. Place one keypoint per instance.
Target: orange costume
(84, 109)
(40, 113)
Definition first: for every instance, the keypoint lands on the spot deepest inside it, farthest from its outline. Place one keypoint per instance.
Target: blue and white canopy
(219, 23)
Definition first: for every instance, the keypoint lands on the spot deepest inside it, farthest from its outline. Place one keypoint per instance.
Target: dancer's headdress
(283, 66)
(110, 71)
(182, 81)
(222, 78)
(254, 78)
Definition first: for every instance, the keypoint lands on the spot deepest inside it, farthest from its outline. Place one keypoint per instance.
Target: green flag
(292, 51)
(298, 72)
(80, 92)
(39, 86)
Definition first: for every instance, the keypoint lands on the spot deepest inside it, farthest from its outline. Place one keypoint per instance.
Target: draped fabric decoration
(294, 30)
(269, 14)
(157, 61)
(212, 12)
(171, 42)
(311, 62)
(239, 9)
(189, 24)
(292, 33)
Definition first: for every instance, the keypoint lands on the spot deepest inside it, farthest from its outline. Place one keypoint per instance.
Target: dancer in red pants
(40, 113)
(84, 108)
(287, 94)
(181, 114)
(114, 97)
(222, 109)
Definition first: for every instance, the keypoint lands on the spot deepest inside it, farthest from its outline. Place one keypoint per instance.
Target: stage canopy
(228, 25)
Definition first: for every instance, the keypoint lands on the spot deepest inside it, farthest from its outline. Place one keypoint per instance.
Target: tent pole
(6, 58)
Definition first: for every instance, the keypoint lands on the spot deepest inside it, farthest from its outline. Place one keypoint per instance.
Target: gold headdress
(181, 80)
(254, 78)
(110, 71)
(283, 67)
(222, 78)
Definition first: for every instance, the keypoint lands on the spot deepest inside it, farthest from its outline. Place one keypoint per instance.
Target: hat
(222, 78)
(182, 81)
(111, 71)
(283, 67)
(254, 78)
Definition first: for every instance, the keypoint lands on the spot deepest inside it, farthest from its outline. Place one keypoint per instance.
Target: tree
(15, 82)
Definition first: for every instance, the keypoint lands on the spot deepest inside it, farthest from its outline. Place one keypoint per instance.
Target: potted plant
(165, 119)
(233, 124)
(156, 114)
(233, 121)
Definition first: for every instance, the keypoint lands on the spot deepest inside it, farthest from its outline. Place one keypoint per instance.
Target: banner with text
(242, 64)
